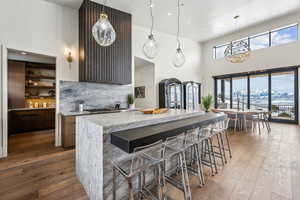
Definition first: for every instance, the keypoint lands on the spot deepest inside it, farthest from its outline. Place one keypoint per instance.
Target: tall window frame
(268, 73)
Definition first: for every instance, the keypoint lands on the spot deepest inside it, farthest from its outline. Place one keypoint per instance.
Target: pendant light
(237, 51)
(150, 48)
(103, 32)
(179, 58)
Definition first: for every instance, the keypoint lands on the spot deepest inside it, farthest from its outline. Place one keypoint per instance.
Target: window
(259, 41)
(285, 35)
(283, 95)
(239, 93)
(274, 37)
(273, 90)
(219, 51)
(223, 93)
(259, 92)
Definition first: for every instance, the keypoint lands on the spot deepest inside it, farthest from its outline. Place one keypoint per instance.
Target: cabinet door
(68, 131)
(16, 84)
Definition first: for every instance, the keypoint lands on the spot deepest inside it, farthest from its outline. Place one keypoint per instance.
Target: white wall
(273, 57)
(145, 76)
(163, 62)
(44, 28)
(280, 56)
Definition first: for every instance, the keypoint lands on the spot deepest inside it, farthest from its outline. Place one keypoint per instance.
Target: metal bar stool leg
(207, 149)
(223, 146)
(185, 178)
(199, 165)
(220, 149)
(114, 183)
(228, 143)
(211, 150)
(130, 189)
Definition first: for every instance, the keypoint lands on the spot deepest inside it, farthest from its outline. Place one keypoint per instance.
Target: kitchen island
(94, 148)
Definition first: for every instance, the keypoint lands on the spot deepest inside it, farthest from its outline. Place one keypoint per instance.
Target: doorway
(31, 104)
(144, 83)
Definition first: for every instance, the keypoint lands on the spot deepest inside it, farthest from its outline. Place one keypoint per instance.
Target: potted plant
(130, 101)
(207, 102)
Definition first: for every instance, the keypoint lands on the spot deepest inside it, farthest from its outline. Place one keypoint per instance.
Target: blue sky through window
(260, 41)
(284, 36)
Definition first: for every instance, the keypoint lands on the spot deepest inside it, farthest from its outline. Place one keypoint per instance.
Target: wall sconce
(69, 57)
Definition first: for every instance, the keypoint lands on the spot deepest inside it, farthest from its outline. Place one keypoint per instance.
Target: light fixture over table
(237, 51)
(103, 32)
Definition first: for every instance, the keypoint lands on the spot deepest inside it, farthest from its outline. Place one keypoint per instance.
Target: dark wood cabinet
(20, 121)
(16, 84)
(68, 131)
(110, 64)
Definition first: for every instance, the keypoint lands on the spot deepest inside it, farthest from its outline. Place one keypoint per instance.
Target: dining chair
(233, 117)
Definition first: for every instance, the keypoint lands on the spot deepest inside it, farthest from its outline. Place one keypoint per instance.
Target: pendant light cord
(178, 23)
(151, 16)
(103, 6)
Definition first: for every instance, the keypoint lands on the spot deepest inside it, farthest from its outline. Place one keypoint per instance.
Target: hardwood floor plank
(263, 167)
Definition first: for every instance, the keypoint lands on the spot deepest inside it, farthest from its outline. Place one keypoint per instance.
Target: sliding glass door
(223, 93)
(239, 93)
(274, 90)
(259, 92)
(283, 95)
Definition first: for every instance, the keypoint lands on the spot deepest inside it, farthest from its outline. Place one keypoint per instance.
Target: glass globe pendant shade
(179, 58)
(103, 32)
(150, 48)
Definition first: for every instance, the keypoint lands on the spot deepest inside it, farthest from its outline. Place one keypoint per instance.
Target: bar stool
(222, 130)
(176, 148)
(144, 158)
(214, 132)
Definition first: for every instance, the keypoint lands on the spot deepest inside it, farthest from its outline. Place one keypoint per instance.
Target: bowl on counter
(154, 111)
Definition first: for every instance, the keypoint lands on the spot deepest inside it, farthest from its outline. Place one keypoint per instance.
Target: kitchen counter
(94, 150)
(77, 113)
(30, 109)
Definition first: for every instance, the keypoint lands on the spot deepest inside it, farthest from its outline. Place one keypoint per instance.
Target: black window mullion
(296, 96)
(248, 92)
(231, 93)
(270, 38)
(216, 93)
(249, 43)
(270, 92)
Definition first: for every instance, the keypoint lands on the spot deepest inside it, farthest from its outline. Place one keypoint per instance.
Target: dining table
(242, 116)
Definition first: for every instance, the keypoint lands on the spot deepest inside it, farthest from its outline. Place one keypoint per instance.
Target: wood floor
(263, 167)
(29, 147)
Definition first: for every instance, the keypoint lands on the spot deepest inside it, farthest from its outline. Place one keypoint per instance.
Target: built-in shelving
(39, 77)
(40, 87)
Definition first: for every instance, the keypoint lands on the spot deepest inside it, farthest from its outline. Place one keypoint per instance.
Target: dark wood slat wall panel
(104, 64)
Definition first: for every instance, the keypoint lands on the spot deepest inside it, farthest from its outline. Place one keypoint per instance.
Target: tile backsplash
(92, 95)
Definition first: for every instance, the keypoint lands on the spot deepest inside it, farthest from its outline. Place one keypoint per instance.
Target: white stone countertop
(114, 122)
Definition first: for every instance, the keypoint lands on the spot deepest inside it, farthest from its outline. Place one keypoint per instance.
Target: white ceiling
(202, 20)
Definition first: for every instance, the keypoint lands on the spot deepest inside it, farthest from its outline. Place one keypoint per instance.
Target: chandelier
(237, 51)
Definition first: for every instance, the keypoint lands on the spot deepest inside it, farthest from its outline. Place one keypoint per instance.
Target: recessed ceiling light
(169, 14)
(152, 5)
(23, 53)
